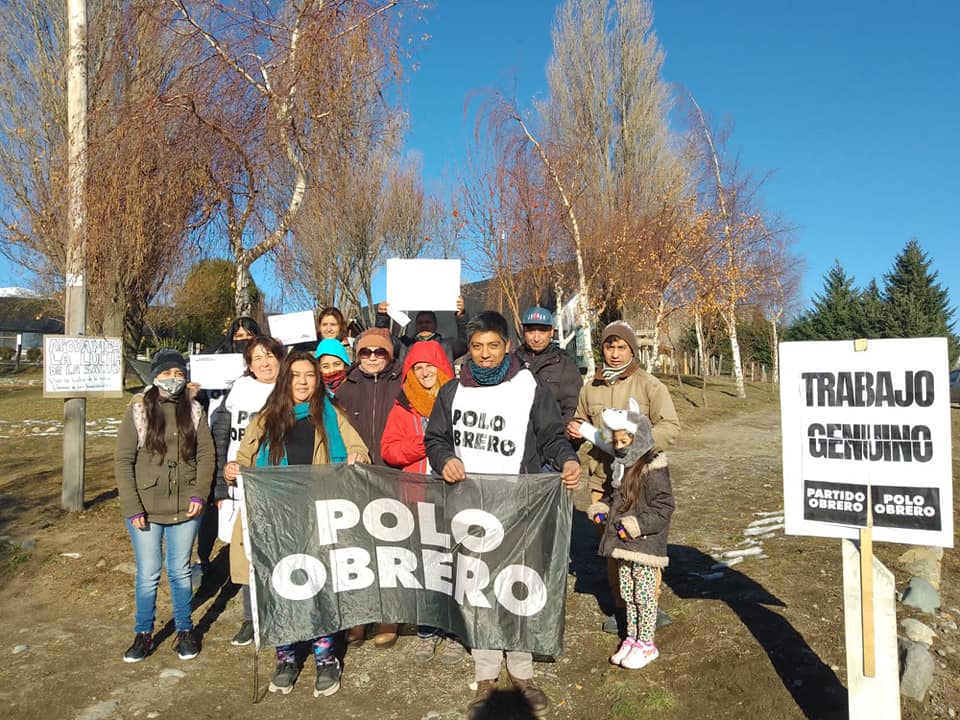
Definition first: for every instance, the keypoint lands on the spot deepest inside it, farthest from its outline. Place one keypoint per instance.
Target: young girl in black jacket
(636, 515)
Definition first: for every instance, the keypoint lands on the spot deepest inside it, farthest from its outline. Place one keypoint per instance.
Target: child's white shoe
(641, 655)
(625, 648)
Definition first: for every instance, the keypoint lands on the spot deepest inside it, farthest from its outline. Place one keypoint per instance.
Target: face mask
(335, 379)
(240, 346)
(170, 386)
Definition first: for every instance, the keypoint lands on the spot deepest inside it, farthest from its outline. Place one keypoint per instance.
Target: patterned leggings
(322, 650)
(640, 589)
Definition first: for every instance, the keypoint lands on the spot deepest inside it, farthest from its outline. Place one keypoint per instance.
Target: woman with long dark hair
(299, 425)
(229, 421)
(164, 466)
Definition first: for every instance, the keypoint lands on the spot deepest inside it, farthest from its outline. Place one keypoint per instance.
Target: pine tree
(872, 309)
(836, 314)
(915, 304)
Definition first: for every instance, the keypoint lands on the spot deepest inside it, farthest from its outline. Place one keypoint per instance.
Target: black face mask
(240, 346)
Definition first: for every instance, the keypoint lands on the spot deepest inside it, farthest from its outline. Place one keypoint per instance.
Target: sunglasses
(380, 353)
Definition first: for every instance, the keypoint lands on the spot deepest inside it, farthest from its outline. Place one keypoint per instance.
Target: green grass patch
(13, 557)
(631, 701)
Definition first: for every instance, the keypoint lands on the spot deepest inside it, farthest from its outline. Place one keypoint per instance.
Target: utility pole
(75, 283)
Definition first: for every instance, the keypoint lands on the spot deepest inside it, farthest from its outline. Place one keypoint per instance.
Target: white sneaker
(625, 647)
(640, 656)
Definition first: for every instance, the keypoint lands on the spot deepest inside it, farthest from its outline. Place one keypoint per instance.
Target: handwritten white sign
(423, 284)
(215, 372)
(77, 366)
(293, 328)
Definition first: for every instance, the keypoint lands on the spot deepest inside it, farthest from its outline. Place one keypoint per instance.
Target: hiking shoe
(186, 646)
(452, 652)
(142, 646)
(425, 649)
(485, 688)
(640, 656)
(610, 625)
(532, 694)
(244, 635)
(328, 678)
(386, 636)
(284, 677)
(626, 647)
(356, 635)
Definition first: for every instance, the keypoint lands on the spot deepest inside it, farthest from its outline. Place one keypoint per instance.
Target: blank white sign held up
(423, 284)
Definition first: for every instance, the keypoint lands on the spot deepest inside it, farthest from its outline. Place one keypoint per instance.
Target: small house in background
(25, 315)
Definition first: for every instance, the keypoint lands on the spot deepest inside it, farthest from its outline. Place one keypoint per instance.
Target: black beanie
(164, 359)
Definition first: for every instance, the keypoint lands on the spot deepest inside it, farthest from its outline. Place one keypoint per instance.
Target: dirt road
(761, 639)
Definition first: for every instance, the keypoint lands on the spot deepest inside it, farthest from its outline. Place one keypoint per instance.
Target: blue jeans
(148, 549)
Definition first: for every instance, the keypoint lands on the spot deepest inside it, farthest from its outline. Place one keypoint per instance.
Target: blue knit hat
(332, 346)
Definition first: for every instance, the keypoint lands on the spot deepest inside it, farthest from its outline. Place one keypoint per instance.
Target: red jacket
(402, 443)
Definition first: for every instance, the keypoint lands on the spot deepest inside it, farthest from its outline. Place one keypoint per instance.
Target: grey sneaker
(244, 635)
(425, 650)
(284, 677)
(328, 678)
(452, 652)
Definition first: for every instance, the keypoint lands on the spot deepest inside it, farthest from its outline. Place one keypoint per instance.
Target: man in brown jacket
(620, 379)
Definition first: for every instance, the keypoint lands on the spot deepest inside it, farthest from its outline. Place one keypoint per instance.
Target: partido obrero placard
(867, 429)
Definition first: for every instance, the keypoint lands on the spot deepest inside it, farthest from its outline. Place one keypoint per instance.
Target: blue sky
(853, 106)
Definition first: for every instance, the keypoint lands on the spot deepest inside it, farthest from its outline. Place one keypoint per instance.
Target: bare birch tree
(145, 161)
(282, 69)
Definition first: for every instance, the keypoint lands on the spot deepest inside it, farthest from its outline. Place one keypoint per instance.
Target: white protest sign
(867, 428)
(293, 328)
(79, 366)
(423, 284)
(215, 372)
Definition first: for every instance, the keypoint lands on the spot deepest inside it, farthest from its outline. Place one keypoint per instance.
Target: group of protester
(397, 403)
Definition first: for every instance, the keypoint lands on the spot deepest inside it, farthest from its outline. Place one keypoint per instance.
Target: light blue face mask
(172, 386)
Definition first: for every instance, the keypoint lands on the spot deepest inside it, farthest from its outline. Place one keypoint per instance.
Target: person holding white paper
(425, 328)
(228, 423)
(238, 337)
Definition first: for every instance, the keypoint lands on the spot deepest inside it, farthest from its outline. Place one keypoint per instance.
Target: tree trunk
(242, 282)
(730, 318)
(775, 355)
(701, 357)
(655, 354)
(583, 305)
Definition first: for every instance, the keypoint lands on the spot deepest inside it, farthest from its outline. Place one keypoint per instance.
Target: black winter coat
(560, 373)
(545, 438)
(367, 401)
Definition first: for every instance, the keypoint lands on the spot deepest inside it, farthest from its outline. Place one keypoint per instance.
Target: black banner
(333, 546)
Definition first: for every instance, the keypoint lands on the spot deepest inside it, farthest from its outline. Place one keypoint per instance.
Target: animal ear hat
(623, 419)
(631, 421)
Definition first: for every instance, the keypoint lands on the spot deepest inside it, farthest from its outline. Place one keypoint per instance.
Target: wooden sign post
(867, 455)
(873, 667)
